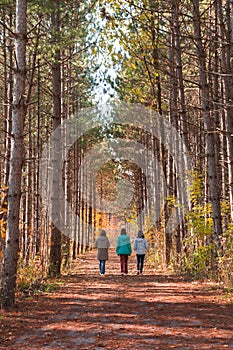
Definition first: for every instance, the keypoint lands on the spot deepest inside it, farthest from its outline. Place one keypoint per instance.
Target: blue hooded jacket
(123, 245)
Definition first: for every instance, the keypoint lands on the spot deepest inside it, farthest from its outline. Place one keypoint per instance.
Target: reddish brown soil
(152, 311)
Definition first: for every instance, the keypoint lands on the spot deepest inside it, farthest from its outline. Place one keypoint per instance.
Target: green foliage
(7, 4)
(200, 222)
(198, 257)
(136, 47)
(199, 219)
(30, 279)
(198, 261)
(226, 260)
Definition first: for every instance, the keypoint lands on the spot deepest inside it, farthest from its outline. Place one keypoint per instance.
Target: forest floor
(150, 311)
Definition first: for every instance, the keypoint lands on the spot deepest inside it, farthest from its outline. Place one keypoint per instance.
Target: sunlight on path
(153, 311)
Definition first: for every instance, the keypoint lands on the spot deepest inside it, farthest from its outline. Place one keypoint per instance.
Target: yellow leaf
(3, 234)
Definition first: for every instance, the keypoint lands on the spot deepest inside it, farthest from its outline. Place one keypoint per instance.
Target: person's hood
(102, 233)
(102, 238)
(124, 238)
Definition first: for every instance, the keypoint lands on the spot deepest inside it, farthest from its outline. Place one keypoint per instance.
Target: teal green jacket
(123, 245)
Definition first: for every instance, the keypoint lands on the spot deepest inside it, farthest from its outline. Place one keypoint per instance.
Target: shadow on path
(152, 311)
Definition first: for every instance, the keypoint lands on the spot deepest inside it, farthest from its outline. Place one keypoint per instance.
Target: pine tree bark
(16, 159)
(227, 78)
(55, 248)
(209, 128)
(8, 98)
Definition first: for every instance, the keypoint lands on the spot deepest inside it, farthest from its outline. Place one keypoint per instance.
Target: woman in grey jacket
(140, 246)
(102, 244)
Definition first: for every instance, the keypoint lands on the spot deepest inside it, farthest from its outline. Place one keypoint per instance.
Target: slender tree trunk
(8, 97)
(179, 71)
(209, 128)
(227, 77)
(16, 160)
(38, 218)
(55, 249)
(155, 58)
(29, 195)
(8, 87)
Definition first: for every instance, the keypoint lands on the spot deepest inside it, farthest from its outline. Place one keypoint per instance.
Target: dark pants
(124, 263)
(102, 267)
(140, 262)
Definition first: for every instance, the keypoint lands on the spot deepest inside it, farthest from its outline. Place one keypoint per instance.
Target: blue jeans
(102, 266)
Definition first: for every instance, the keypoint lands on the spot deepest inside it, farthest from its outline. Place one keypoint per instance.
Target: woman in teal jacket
(124, 249)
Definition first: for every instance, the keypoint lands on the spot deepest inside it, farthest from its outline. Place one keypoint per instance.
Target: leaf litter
(151, 311)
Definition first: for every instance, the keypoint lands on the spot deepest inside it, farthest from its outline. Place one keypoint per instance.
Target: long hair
(140, 234)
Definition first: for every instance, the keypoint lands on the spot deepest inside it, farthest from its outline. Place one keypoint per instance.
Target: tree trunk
(179, 72)
(16, 159)
(227, 77)
(8, 93)
(155, 57)
(209, 128)
(55, 249)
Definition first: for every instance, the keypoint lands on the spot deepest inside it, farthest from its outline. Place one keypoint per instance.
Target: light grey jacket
(140, 245)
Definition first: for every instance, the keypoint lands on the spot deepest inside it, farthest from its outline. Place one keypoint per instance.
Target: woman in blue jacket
(123, 249)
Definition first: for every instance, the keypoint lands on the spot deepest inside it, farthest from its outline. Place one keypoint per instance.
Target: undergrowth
(30, 279)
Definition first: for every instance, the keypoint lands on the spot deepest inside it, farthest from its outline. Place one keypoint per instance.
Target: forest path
(152, 311)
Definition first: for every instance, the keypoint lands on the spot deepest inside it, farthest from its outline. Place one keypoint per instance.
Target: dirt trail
(152, 311)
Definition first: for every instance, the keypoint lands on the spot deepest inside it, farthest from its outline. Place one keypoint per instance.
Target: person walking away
(140, 246)
(102, 244)
(123, 249)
